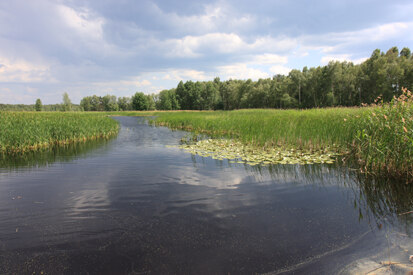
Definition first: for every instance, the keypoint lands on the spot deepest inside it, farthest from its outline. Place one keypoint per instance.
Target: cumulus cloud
(81, 22)
(23, 71)
(344, 42)
(216, 17)
(278, 69)
(226, 43)
(241, 71)
(119, 47)
(341, 58)
(270, 59)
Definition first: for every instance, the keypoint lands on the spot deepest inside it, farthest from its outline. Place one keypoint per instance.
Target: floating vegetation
(238, 152)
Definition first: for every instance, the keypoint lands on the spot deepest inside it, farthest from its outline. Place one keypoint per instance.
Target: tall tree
(110, 103)
(125, 103)
(67, 104)
(38, 106)
(139, 101)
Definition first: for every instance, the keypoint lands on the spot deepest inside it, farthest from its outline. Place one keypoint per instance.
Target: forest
(336, 84)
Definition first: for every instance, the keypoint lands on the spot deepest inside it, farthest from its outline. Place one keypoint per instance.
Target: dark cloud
(321, 16)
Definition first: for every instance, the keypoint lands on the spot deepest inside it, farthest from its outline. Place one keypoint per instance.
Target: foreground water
(132, 205)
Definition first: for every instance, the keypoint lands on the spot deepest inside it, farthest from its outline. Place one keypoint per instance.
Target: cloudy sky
(119, 47)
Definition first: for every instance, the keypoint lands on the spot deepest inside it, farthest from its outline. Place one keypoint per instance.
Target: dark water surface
(134, 206)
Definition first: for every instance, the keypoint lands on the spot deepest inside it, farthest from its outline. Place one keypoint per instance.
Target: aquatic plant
(384, 143)
(30, 131)
(315, 128)
(238, 152)
(378, 137)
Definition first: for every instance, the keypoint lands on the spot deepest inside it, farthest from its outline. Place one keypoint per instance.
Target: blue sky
(120, 47)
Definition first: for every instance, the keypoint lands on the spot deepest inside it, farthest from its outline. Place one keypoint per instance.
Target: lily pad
(240, 153)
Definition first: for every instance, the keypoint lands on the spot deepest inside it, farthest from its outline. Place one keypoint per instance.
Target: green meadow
(28, 131)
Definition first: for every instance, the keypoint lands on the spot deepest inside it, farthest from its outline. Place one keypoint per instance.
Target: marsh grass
(21, 132)
(379, 138)
(316, 128)
(384, 144)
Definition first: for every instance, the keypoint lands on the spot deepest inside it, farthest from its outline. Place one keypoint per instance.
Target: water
(131, 205)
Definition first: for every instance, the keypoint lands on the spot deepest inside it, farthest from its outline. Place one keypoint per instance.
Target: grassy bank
(315, 128)
(28, 131)
(379, 138)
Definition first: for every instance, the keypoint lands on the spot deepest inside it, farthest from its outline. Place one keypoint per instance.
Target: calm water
(131, 205)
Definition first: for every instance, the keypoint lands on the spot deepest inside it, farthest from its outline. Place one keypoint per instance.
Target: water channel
(133, 205)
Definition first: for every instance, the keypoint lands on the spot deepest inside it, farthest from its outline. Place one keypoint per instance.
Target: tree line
(65, 106)
(336, 84)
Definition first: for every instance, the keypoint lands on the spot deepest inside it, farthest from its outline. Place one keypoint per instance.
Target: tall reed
(384, 143)
(266, 127)
(28, 131)
(379, 138)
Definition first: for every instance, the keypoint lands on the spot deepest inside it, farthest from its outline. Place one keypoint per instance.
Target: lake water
(132, 205)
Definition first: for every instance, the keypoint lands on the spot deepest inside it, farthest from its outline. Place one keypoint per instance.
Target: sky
(120, 47)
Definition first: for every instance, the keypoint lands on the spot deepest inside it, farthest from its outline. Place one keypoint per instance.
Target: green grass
(383, 143)
(27, 131)
(379, 138)
(315, 128)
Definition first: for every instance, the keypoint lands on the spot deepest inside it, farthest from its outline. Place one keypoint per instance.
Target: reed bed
(378, 138)
(30, 131)
(315, 128)
(383, 144)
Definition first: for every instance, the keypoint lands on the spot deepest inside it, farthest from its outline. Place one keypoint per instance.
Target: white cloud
(185, 74)
(144, 83)
(241, 71)
(343, 41)
(22, 95)
(225, 43)
(23, 71)
(269, 59)
(82, 22)
(341, 58)
(216, 17)
(279, 69)
(194, 46)
(325, 59)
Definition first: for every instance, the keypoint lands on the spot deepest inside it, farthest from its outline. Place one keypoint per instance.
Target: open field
(28, 131)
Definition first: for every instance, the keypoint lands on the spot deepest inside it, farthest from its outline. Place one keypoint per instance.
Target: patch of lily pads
(237, 152)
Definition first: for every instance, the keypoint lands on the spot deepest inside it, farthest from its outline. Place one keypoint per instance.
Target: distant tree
(164, 101)
(140, 101)
(97, 103)
(150, 99)
(296, 83)
(181, 95)
(67, 104)
(38, 106)
(125, 103)
(209, 96)
(110, 103)
(86, 103)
